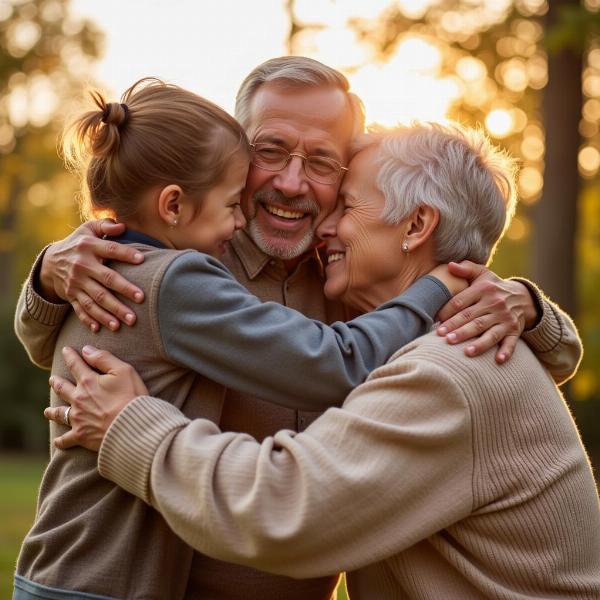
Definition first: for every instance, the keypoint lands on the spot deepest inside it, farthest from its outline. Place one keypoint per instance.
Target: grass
(19, 481)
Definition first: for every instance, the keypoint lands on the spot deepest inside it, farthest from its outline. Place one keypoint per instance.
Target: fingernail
(94, 327)
(443, 330)
(502, 357)
(138, 256)
(451, 337)
(51, 380)
(138, 296)
(89, 350)
(471, 350)
(113, 325)
(129, 318)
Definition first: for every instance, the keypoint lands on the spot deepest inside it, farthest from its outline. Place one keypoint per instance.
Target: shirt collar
(254, 260)
(131, 236)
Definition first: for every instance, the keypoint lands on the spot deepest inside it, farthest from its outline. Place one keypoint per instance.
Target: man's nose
(328, 227)
(291, 181)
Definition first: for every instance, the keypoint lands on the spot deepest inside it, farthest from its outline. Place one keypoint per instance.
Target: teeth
(286, 214)
(334, 257)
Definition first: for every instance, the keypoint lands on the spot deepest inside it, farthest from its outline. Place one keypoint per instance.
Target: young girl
(172, 166)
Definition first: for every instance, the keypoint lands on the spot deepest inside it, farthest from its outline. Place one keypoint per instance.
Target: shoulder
(475, 377)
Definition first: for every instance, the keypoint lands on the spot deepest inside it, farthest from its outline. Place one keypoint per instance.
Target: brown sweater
(440, 477)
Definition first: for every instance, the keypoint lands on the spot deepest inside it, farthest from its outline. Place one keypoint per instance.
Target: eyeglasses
(321, 169)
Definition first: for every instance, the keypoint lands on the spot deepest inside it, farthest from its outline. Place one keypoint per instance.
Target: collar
(254, 260)
(135, 237)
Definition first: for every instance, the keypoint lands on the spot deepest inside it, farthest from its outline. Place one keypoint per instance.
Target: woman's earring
(174, 223)
(405, 247)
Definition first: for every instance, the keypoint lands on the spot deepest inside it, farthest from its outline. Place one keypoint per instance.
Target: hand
(73, 270)
(96, 399)
(494, 309)
(454, 283)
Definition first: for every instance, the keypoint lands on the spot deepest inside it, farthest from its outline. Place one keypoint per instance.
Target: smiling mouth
(290, 215)
(334, 257)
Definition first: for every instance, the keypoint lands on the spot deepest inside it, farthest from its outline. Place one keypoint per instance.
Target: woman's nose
(239, 218)
(328, 227)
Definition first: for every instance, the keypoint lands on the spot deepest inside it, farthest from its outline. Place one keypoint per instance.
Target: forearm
(37, 321)
(554, 340)
(209, 323)
(303, 504)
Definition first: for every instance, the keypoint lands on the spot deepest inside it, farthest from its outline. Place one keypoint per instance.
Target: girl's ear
(170, 201)
(421, 225)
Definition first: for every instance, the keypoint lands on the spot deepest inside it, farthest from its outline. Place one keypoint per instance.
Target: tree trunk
(556, 214)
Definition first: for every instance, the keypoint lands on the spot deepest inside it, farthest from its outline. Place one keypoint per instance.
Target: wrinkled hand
(73, 270)
(494, 309)
(95, 399)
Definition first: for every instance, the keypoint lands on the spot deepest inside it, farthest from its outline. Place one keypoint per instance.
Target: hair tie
(106, 112)
(126, 117)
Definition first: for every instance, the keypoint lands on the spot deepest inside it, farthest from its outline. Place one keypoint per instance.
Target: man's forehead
(317, 109)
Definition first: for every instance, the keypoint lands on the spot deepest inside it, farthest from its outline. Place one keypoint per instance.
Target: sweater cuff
(131, 442)
(548, 333)
(40, 310)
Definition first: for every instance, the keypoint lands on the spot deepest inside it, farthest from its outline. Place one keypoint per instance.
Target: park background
(527, 71)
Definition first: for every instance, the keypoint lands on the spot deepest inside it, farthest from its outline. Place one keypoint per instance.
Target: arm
(211, 324)
(554, 339)
(508, 309)
(38, 322)
(361, 483)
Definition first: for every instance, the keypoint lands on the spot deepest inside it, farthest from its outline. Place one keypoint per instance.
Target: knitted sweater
(93, 537)
(440, 477)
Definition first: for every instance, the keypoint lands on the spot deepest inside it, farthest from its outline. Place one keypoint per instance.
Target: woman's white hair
(297, 72)
(454, 169)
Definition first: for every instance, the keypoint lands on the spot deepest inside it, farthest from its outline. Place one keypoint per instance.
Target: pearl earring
(174, 224)
(405, 247)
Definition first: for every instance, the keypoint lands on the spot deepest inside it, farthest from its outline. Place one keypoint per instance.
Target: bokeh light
(589, 161)
(499, 123)
(531, 183)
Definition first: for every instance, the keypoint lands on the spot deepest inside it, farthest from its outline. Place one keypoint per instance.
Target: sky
(204, 45)
(209, 46)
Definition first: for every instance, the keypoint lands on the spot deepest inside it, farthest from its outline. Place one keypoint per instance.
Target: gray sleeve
(211, 324)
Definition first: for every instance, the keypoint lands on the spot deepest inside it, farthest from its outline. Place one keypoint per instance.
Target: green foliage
(24, 392)
(574, 28)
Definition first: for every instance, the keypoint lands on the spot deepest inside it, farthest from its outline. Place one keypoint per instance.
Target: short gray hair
(454, 169)
(296, 71)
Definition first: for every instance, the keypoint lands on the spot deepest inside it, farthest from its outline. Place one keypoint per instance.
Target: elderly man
(304, 111)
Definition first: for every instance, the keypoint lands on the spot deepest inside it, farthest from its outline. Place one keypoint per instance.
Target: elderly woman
(441, 476)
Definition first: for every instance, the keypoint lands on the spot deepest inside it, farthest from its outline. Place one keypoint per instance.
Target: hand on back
(73, 270)
(491, 311)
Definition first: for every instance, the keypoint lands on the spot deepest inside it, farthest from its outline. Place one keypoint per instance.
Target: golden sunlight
(408, 87)
(500, 123)
(589, 161)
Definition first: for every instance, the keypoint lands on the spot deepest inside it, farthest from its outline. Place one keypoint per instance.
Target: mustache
(306, 205)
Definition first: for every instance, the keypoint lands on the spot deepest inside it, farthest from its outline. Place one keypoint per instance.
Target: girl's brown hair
(159, 134)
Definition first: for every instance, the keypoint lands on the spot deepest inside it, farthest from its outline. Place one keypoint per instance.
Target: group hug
(278, 354)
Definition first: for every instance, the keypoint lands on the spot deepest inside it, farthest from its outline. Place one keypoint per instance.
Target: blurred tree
(45, 56)
(570, 28)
